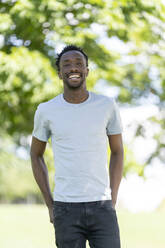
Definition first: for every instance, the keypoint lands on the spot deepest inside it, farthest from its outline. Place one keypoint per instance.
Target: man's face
(73, 69)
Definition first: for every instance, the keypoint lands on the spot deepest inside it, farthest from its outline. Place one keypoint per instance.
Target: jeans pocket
(107, 205)
(59, 211)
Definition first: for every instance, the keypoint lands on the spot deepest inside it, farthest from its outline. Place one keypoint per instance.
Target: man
(80, 124)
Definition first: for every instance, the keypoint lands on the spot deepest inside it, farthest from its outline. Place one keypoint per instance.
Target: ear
(59, 74)
(87, 71)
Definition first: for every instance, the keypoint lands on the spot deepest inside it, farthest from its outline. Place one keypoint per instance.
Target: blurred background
(125, 43)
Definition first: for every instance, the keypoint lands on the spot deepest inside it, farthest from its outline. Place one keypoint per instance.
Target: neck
(75, 96)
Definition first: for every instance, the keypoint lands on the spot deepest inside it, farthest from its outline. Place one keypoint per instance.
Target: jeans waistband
(79, 204)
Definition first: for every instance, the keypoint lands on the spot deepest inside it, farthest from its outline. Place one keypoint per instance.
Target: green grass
(142, 230)
(28, 226)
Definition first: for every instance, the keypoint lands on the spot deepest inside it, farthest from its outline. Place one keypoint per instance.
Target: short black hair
(69, 48)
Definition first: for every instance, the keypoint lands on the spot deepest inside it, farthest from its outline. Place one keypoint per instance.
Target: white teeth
(74, 76)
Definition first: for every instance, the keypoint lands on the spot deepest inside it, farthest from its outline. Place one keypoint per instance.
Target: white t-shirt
(79, 141)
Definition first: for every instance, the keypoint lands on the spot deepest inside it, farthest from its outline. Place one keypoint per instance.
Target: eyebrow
(67, 60)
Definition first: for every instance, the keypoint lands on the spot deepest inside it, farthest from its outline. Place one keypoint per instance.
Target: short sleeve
(114, 125)
(41, 128)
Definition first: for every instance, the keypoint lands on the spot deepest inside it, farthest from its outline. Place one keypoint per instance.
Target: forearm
(115, 172)
(40, 173)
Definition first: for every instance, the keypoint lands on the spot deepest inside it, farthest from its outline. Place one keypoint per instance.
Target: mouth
(74, 76)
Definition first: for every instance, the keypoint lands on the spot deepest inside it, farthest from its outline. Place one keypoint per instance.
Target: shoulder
(109, 101)
(44, 107)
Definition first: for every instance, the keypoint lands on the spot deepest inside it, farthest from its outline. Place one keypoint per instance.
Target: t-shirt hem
(39, 138)
(113, 133)
(64, 199)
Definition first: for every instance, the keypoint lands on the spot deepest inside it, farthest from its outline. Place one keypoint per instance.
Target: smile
(74, 76)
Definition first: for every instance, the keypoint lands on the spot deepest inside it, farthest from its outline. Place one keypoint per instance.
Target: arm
(116, 164)
(40, 172)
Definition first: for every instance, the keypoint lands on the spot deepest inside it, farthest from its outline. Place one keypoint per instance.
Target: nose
(73, 68)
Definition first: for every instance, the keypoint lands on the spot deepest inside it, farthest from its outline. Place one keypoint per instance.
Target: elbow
(118, 152)
(33, 155)
(121, 153)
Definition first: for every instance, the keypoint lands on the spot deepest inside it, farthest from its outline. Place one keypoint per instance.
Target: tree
(31, 32)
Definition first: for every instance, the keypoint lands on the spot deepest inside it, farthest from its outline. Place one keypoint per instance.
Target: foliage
(32, 31)
(17, 183)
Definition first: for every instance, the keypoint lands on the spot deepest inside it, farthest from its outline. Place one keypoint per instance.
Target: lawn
(28, 226)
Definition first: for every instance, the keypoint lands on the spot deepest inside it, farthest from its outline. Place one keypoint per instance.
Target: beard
(73, 84)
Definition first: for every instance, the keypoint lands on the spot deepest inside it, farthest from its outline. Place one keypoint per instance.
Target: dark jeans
(75, 223)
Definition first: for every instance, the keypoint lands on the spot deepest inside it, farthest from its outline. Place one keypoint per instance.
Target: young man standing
(81, 125)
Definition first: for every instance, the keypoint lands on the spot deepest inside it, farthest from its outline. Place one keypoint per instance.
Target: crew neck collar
(75, 104)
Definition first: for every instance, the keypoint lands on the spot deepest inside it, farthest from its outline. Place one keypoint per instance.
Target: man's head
(72, 65)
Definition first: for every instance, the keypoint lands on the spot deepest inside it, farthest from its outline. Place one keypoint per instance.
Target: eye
(79, 63)
(66, 65)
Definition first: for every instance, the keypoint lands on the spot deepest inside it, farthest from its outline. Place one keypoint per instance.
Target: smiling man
(81, 124)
